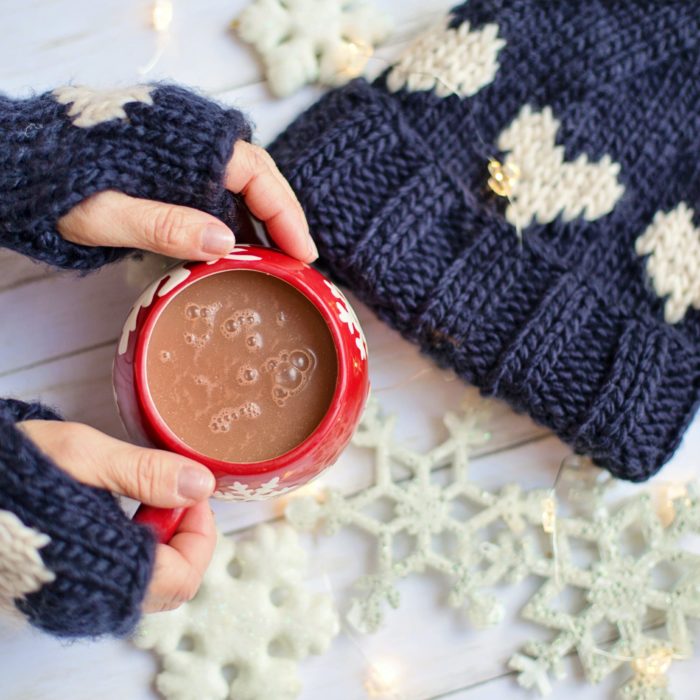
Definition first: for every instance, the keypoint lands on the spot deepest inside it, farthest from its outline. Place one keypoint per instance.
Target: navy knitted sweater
(70, 559)
(520, 195)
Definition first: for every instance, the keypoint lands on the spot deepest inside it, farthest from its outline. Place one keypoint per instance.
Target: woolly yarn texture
(74, 564)
(158, 142)
(568, 296)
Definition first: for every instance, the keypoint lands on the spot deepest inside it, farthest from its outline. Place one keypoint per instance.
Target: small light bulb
(667, 496)
(549, 514)
(655, 664)
(162, 15)
(359, 52)
(384, 678)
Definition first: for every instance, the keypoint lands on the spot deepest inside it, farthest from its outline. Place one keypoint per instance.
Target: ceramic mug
(252, 480)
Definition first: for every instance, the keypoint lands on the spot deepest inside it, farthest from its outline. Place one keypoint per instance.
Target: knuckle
(259, 159)
(147, 473)
(165, 227)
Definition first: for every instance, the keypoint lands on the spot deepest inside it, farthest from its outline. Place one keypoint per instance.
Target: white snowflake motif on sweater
(90, 107)
(449, 61)
(547, 185)
(22, 570)
(673, 245)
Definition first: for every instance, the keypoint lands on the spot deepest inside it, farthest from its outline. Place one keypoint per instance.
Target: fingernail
(217, 240)
(195, 484)
(311, 247)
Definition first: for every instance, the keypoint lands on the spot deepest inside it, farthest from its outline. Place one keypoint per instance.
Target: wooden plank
(17, 270)
(112, 42)
(62, 314)
(78, 386)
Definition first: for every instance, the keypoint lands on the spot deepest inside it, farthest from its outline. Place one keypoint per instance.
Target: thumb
(155, 477)
(116, 219)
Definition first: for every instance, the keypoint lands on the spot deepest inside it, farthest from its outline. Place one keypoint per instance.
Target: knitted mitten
(520, 195)
(152, 141)
(70, 559)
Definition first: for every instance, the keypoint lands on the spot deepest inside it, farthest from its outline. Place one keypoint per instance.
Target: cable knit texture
(542, 297)
(70, 559)
(101, 562)
(158, 142)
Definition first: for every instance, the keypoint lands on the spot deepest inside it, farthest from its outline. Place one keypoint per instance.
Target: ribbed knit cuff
(156, 142)
(618, 388)
(100, 561)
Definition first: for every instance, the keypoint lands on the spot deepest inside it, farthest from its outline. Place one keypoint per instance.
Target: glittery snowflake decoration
(619, 582)
(423, 511)
(631, 585)
(248, 627)
(306, 41)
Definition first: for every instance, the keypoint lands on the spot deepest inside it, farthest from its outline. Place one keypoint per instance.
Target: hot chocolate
(241, 366)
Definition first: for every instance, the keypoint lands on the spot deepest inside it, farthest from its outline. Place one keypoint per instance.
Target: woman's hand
(114, 219)
(154, 477)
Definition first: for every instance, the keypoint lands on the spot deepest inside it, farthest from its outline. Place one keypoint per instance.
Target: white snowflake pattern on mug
(347, 315)
(242, 492)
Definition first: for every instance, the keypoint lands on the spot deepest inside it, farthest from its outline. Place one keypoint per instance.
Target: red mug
(252, 480)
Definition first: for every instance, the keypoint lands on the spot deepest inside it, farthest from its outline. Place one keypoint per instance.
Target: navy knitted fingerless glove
(520, 195)
(158, 142)
(70, 559)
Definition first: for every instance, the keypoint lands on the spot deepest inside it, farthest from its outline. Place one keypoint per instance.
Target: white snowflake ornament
(423, 512)
(640, 599)
(306, 41)
(613, 602)
(246, 630)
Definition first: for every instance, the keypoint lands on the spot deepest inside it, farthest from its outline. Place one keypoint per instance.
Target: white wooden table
(59, 333)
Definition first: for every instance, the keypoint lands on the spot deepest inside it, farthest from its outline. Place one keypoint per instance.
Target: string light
(161, 19)
(667, 495)
(162, 15)
(384, 678)
(549, 514)
(653, 666)
(314, 489)
(359, 52)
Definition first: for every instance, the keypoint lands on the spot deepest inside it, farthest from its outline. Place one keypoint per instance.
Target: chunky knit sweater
(71, 561)
(520, 195)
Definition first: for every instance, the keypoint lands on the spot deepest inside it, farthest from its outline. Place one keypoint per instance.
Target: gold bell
(503, 177)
